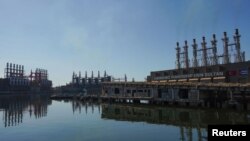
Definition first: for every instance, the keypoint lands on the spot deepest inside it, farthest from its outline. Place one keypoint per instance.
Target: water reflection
(74, 116)
(14, 107)
(77, 106)
(191, 122)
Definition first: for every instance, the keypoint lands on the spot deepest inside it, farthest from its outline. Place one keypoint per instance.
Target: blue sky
(119, 36)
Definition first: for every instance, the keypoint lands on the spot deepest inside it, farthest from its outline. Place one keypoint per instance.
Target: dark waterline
(29, 118)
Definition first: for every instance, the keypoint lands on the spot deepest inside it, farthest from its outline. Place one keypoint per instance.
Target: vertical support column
(214, 48)
(178, 64)
(195, 62)
(186, 55)
(225, 44)
(237, 46)
(204, 51)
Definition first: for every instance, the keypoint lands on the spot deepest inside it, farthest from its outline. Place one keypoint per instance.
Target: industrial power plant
(16, 81)
(207, 64)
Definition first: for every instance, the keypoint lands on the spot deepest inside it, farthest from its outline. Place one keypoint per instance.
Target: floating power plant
(90, 85)
(209, 80)
(207, 64)
(16, 81)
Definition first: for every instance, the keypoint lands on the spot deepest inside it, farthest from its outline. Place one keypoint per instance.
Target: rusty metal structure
(15, 79)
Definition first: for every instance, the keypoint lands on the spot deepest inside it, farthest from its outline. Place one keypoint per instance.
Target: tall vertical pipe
(225, 44)
(178, 49)
(92, 74)
(80, 75)
(19, 71)
(237, 46)
(214, 48)
(195, 63)
(204, 51)
(86, 75)
(125, 78)
(10, 69)
(98, 74)
(22, 70)
(7, 71)
(14, 69)
(73, 77)
(186, 55)
(243, 56)
(105, 74)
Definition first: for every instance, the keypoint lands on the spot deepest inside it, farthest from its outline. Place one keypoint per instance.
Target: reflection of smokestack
(237, 46)
(186, 55)
(195, 63)
(214, 48)
(204, 51)
(178, 64)
(225, 44)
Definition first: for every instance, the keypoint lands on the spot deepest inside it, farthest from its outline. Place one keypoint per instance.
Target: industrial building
(207, 64)
(15, 80)
(85, 85)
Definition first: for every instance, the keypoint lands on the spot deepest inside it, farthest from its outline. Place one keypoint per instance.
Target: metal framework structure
(209, 55)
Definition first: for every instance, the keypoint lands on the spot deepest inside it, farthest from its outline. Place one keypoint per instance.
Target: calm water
(37, 118)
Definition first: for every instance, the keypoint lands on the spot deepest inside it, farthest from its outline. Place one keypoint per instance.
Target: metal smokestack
(186, 55)
(214, 48)
(195, 63)
(225, 47)
(204, 51)
(237, 46)
(86, 74)
(178, 49)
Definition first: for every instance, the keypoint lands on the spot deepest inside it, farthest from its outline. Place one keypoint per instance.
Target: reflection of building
(77, 106)
(186, 119)
(16, 80)
(14, 108)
